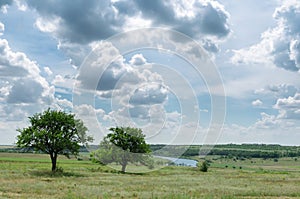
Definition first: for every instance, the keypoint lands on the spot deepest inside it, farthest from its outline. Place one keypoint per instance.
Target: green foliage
(81, 131)
(241, 151)
(203, 166)
(53, 132)
(123, 145)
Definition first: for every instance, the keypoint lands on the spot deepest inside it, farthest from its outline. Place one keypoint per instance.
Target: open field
(29, 176)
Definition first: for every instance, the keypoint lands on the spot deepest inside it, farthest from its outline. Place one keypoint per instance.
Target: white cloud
(295, 52)
(149, 94)
(23, 90)
(58, 79)
(4, 5)
(138, 59)
(209, 19)
(257, 103)
(48, 71)
(279, 45)
(20, 5)
(87, 110)
(1, 28)
(15, 64)
(92, 118)
(277, 91)
(266, 131)
(266, 122)
(8, 131)
(289, 108)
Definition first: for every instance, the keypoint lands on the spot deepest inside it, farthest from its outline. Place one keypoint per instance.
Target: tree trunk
(53, 160)
(124, 164)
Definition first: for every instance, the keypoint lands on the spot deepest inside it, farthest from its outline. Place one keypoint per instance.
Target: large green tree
(54, 132)
(123, 145)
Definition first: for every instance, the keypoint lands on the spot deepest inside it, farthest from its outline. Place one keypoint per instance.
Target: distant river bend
(180, 161)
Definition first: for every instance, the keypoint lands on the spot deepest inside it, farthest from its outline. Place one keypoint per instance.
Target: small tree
(203, 167)
(54, 132)
(123, 145)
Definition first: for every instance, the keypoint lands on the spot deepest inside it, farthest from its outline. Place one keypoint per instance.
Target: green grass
(29, 176)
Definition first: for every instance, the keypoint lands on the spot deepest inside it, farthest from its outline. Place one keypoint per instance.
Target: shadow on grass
(47, 173)
(132, 173)
(105, 169)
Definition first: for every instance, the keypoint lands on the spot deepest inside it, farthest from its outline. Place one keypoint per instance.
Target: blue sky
(247, 92)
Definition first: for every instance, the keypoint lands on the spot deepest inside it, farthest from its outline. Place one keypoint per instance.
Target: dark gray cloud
(21, 82)
(83, 21)
(210, 46)
(214, 21)
(149, 95)
(117, 73)
(141, 112)
(14, 64)
(11, 71)
(157, 10)
(282, 59)
(25, 91)
(5, 2)
(209, 18)
(286, 48)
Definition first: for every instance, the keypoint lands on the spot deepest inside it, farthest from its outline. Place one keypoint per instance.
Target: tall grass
(29, 176)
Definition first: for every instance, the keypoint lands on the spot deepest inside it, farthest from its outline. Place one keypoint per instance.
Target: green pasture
(29, 176)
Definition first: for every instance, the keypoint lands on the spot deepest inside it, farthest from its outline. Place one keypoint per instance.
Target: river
(180, 161)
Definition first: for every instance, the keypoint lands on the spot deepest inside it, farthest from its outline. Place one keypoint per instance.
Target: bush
(203, 167)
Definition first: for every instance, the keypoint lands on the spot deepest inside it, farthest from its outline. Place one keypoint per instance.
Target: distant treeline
(229, 150)
(225, 150)
(10, 149)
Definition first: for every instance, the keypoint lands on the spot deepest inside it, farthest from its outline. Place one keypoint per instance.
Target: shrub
(203, 167)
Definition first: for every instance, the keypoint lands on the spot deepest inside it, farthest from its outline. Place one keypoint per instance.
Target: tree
(123, 145)
(203, 167)
(54, 132)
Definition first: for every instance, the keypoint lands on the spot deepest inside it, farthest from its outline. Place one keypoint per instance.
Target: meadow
(25, 175)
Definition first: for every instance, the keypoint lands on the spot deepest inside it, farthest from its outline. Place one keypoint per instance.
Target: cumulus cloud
(138, 59)
(76, 52)
(205, 17)
(117, 74)
(23, 90)
(257, 102)
(286, 120)
(277, 91)
(149, 94)
(80, 21)
(278, 45)
(295, 52)
(267, 122)
(83, 22)
(4, 4)
(289, 108)
(133, 90)
(15, 64)
(118, 78)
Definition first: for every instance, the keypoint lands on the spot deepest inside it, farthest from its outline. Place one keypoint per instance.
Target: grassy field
(29, 176)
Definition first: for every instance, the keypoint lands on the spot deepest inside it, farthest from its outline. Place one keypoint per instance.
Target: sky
(185, 72)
